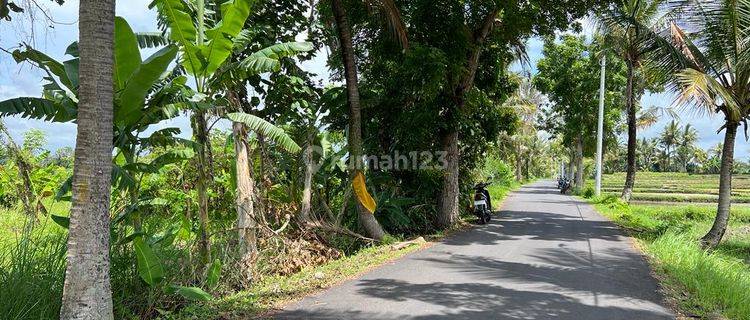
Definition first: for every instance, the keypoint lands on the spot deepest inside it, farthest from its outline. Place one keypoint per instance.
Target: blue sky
(18, 80)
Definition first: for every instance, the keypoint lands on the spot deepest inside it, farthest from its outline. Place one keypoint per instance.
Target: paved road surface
(547, 256)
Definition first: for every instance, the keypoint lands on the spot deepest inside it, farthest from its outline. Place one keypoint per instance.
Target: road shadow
(512, 225)
(476, 301)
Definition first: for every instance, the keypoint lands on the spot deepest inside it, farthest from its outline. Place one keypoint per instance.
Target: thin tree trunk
(627, 190)
(519, 178)
(246, 222)
(304, 214)
(201, 136)
(713, 237)
(366, 219)
(668, 159)
(24, 169)
(571, 166)
(579, 163)
(87, 293)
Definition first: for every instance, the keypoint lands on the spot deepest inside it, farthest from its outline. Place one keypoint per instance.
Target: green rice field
(677, 187)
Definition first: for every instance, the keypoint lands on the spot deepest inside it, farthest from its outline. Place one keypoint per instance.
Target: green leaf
(191, 293)
(38, 108)
(214, 273)
(151, 39)
(64, 190)
(72, 49)
(182, 31)
(121, 179)
(267, 60)
(61, 221)
(129, 238)
(220, 38)
(149, 267)
(71, 69)
(132, 98)
(264, 127)
(44, 61)
(127, 54)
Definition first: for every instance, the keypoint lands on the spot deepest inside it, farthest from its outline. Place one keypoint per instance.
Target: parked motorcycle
(482, 203)
(564, 185)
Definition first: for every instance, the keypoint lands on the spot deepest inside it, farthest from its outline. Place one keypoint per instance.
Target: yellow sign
(360, 189)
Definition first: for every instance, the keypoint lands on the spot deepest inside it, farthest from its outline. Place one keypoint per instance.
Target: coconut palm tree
(87, 293)
(710, 69)
(624, 37)
(526, 101)
(647, 153)
(685, 151)
(668, 139)
(366, 218)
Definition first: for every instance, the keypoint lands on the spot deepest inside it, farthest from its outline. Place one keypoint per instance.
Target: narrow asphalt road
(543, 256)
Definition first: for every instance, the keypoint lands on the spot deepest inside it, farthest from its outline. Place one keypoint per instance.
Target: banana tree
(135, 81)
(206, 42)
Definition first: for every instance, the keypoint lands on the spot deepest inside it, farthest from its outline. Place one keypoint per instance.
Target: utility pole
(600, 127)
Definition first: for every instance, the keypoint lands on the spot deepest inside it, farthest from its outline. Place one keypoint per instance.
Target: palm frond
(151, 39)
(272, 132)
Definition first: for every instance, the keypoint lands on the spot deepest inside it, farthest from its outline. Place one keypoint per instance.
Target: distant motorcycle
(564, 185)
(482, 203)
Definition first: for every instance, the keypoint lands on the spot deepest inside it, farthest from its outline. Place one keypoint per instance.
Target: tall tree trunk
(366, 219)
(200, 132)
(87, 293)
(527, 167)
(448, 210)
(246, 221)
(571, 168)
(669, 156)
(579, 163)
(448, 201)
(713, 237)
(307, 158)
(519, 178)
(630, 106)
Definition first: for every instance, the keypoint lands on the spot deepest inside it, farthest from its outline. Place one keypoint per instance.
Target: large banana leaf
(134, 94)
(71, 69)
(264, 127)
(38, 108)
(127, 54)
(182, 31)
(267, 59)
(220, 37)
(44, 61)
(149, 267)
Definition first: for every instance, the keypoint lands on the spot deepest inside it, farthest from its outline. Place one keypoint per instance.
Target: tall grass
(716, 283)
(31, 277)
(703, 283)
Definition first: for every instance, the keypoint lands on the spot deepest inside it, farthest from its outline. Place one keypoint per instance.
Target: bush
(495, 168)
(588, 192)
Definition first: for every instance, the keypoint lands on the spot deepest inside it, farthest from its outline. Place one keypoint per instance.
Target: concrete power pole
(600, 128)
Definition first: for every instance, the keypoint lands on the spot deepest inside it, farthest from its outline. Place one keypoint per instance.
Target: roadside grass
(702, 284)
(271, 293)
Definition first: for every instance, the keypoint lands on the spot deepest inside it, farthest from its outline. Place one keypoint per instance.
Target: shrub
(588, 192)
